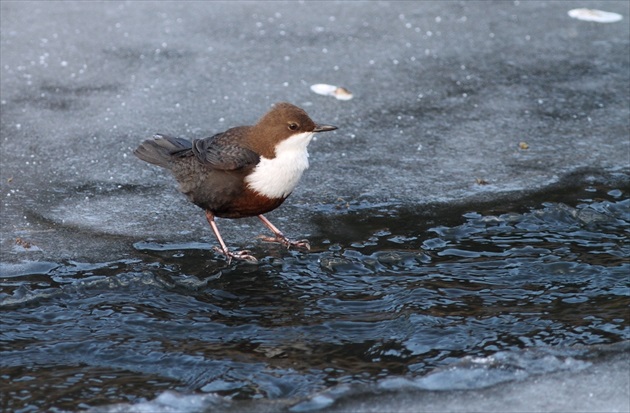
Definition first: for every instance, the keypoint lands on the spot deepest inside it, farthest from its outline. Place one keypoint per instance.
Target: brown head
(280, 123)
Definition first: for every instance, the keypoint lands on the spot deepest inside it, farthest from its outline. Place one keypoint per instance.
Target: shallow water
(390, 292)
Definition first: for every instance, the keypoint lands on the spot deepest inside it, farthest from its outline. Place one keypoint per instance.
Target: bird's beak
(324, 128)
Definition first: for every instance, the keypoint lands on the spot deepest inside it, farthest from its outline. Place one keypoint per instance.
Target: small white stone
(592, 15)
(337, 92)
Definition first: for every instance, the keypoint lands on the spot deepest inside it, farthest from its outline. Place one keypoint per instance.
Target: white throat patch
(277, 177)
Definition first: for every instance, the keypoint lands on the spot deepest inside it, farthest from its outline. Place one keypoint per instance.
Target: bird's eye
(293, 126)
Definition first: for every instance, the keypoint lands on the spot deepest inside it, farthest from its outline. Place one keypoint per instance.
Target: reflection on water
(380, 297)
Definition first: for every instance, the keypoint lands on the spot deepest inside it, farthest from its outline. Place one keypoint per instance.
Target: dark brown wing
(224, 152)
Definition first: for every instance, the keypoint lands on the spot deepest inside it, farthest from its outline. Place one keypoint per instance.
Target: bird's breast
(277, 177)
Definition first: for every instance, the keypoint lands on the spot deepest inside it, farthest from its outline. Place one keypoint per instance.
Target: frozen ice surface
(84, 83)
(168, 402)
(600, 385)
(604, 388)
(592, 379)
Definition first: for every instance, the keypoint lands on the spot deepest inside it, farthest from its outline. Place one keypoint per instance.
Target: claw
(238, 255)
(279, 237)
(302, 244)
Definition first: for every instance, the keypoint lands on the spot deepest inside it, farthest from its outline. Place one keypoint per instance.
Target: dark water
(389, 292)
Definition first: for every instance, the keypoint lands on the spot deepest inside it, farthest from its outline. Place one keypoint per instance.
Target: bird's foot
(237, 255)
(302, 244)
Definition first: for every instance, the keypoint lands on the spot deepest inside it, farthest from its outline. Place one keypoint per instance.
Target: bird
(245, 171)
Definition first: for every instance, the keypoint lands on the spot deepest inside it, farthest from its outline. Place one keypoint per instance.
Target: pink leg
(279, 236)
(240, 255)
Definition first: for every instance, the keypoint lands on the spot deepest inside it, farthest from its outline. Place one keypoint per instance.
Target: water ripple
(402, 301)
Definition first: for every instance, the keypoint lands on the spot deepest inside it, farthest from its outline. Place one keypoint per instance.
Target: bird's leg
(239, 255)
(279, 237)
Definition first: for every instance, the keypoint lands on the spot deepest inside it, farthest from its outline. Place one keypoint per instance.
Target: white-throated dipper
(245, 171)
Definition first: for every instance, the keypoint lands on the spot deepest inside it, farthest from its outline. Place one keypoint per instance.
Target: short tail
(161, 149)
